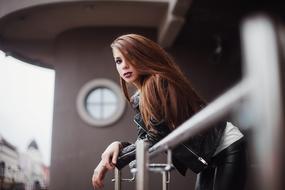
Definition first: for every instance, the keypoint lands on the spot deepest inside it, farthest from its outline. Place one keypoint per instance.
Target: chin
(130, 81)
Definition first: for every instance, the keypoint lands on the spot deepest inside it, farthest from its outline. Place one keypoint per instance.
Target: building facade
(22, 170)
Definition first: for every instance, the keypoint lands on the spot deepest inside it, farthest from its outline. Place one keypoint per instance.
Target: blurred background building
(10, 167)
(73, 37)
(22, 170)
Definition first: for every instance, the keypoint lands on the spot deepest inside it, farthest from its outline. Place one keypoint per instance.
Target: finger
(99, 177)
(115, 157)
(97, 185)
(96, 182)
(99, 182)
(110, 165)
(96, 178)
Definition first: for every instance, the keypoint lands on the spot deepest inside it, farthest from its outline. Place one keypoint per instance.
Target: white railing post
(262, 67)
(117, 179)
(165, 175)
(142, 165)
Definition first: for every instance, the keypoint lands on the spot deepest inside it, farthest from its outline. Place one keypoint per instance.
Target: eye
(118, 61)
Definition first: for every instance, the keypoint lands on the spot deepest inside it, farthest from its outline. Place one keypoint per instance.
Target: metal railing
(256, 101)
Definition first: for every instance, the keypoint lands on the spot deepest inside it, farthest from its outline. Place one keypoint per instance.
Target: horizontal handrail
(203, 119)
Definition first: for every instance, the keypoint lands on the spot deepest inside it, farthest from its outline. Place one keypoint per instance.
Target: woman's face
(124, 68)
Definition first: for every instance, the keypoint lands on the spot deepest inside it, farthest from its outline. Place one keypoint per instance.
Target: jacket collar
(135, 100)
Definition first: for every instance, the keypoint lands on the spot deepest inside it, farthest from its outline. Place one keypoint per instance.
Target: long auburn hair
(166, 93)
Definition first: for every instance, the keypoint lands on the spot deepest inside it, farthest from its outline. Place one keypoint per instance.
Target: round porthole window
(100, 102)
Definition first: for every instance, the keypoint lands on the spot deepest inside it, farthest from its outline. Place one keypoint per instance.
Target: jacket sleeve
(128, 152)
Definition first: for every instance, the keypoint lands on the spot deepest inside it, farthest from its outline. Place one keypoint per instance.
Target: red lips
(127, 74)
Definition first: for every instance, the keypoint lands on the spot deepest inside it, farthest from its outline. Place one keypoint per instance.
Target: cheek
(118, 69)
(135, 72)
(137, 75)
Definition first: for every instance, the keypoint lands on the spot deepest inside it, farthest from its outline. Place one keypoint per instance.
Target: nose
(125, 65)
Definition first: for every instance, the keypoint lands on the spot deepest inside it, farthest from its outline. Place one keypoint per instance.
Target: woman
(164, 100)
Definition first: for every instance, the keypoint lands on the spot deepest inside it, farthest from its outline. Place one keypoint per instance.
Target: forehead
(117, 53)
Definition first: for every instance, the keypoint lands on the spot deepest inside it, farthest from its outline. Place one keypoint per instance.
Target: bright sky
(26, 104)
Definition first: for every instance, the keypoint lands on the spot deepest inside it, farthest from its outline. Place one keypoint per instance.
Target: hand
(108, 160)
(110, 155)
(98, 176)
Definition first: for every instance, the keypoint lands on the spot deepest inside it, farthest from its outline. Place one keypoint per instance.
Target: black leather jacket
(195, 154)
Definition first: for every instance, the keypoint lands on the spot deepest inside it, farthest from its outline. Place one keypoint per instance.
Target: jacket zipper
(198, 157)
